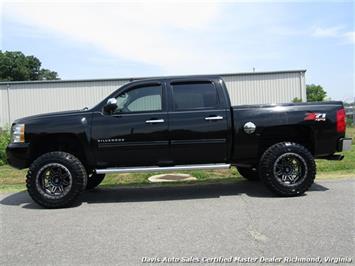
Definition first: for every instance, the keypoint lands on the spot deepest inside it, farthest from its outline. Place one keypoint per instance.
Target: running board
(163, 168)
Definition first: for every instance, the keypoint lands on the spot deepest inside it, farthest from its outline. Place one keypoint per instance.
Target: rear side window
(196, 95)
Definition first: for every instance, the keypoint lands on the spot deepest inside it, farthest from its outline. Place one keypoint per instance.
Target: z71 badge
(315, 117)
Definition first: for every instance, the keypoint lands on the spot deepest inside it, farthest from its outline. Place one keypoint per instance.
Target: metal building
(24, 98)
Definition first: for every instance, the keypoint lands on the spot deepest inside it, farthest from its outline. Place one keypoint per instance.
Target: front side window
(142, 99)
(195, 95)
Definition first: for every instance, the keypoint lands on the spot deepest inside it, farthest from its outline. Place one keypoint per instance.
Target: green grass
(345, 167)
(12, 180)
(137, 179)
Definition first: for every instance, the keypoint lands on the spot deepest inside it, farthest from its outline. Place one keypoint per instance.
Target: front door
(137, 132)
(198, 123)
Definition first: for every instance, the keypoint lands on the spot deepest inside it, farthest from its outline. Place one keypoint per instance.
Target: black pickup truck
(175, 123)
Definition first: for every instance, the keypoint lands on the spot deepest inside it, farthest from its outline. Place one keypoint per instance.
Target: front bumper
(18, 155)
(344, 144)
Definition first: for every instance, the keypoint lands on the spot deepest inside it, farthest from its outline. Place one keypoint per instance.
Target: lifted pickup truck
(175, 123)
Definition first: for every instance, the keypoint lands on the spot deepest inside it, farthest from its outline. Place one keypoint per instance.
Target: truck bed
(291, 122)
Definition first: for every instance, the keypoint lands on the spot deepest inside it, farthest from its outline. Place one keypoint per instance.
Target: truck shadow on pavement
(159, 193)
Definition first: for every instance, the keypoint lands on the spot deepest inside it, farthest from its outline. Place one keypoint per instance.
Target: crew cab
(175, 123)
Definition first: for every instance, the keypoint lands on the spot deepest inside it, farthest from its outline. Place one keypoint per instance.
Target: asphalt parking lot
(124, 226)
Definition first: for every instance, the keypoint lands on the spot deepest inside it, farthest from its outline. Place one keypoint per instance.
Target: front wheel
(288, 169)
(56, 179)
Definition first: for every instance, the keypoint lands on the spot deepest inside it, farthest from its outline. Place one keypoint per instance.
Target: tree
(46, 74)
(315, 93)
(15, 66)
(296, 100)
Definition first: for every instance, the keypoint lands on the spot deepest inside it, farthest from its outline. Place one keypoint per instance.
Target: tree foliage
(315, 93)
(4, 141)
(296, 100)
(15, 66)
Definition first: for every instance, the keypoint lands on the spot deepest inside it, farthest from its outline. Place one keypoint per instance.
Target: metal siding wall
(28, 99)
(264, 88)
(4, 117)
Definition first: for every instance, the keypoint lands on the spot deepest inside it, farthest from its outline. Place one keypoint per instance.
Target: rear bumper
(344, 144)
(18, 155)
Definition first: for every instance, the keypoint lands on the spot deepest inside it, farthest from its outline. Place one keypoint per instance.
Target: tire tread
(66, 158)
(266, 164)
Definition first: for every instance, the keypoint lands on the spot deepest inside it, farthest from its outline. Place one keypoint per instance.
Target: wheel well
(298, 134)
(57, 142)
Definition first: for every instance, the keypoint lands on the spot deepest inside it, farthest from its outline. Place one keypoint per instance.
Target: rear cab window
(194, 95)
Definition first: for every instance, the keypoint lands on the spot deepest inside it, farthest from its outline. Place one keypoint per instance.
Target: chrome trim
(154, 121)
(164, 168)
(346, 144)
(249, 127)
(214, 118)
(112, 101)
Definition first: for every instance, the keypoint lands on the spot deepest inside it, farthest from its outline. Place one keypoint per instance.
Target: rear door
(198, 122)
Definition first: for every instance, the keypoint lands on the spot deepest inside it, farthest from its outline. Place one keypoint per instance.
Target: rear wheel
(94, 180)
(249, 173)
(288, 169)
(56, 179)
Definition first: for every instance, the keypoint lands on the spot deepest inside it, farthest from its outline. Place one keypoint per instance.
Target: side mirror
(110, 106)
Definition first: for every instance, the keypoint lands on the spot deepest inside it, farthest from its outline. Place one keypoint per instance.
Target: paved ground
(120, 226)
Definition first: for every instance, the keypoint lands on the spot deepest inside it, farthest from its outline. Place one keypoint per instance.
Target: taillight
(341, 123)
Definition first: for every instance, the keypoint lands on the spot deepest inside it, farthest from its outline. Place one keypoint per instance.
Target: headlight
(18, 133)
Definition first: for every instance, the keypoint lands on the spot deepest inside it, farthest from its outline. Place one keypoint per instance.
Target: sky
(117, 39)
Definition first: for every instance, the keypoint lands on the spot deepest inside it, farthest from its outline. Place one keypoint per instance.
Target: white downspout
(8, 103)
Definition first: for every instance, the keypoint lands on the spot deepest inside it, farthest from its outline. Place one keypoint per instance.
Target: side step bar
(163, 168)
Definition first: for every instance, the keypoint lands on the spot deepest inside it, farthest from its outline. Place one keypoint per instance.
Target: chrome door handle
(154, 121)
(218, 117)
